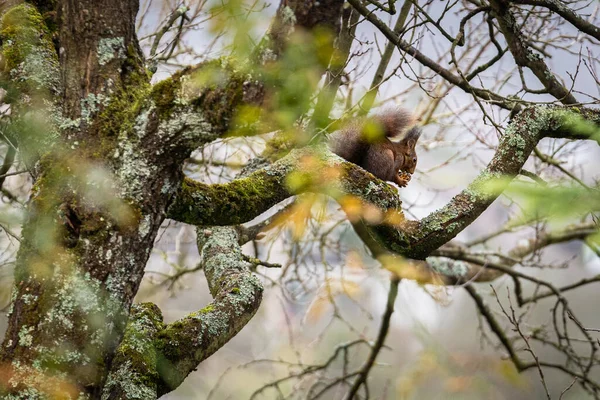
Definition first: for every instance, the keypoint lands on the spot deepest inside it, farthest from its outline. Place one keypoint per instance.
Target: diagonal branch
(363, 374)
(414, 239)
(523, 55)
(237, 295)
(417, 239)
(449, 76)
(560, 8)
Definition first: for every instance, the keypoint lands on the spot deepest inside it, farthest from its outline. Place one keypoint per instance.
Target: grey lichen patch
(441, 220)
(39, 68)
(145, 225)
(529, 123)
(27, 394)
(140, 127)
(135, 168)
(186, 126)
(518, 146)
(217, 323)
(80, 300)
(29, 299)
(288, 16)
(91, 104)
(25, 336)
(110, 49)
(130, 382)
(448, 267)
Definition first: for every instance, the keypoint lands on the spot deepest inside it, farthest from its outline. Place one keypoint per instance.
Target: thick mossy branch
(231, 203)
(417, 239)
(303, 170)
(154, 358)
(244, 199)
(237, 295)
(134, 373)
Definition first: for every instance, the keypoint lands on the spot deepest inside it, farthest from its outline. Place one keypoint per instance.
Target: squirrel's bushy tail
(349, 142)
(394, 121)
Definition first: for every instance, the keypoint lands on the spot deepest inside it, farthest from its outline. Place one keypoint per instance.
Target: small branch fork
(180, 14)
(354, 380)
(361, 379)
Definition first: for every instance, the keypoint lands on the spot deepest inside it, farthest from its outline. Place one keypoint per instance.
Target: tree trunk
(105, 149)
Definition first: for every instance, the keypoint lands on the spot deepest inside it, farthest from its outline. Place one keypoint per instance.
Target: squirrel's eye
(415, 159)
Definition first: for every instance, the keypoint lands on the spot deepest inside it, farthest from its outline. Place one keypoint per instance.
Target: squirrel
(366, 143)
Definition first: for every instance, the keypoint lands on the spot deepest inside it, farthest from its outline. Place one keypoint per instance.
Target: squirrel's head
(407, 149)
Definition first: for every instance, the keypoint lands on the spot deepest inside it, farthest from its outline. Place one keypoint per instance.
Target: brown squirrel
(366, 142)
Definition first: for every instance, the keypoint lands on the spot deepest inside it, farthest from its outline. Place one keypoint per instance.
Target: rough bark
(154, 358)
(412, 239)
(88, 121)
(93, 124)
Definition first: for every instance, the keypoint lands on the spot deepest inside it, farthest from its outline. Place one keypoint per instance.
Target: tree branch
(456, 80)
(198, 203)
(523, 55)
(561, 9)
(237, 295)
(135, 366)
(154, 358)
(243, 199)
(363, 374)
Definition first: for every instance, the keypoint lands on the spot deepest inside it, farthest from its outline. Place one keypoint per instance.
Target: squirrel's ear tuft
(412, 136)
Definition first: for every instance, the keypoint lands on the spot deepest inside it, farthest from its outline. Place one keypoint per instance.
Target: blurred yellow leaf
(352, 206)
(409, 269)
(372, 131)
(372, 214)
(458, 383)
(322, 302)
(354, 260)
(317, 309)
(507, 370)
(394, 217)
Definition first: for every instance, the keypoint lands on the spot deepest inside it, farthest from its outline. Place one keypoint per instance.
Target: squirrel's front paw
(402, 178)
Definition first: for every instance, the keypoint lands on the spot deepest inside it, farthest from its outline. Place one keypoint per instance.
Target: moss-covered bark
(134, 373)
(154, 358)
(110, 160)
(413, 239)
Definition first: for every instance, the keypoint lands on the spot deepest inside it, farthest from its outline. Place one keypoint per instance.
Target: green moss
(124, 106)
(278, 146)
(27, 51)
(234, 202)
(207, 309)
(217, 89)
(136, 356)
(164, 95)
